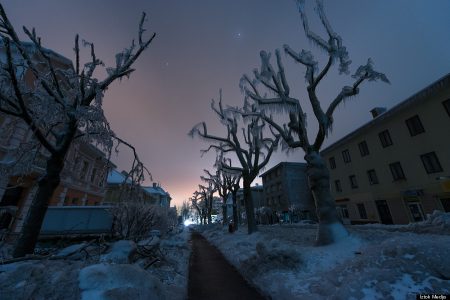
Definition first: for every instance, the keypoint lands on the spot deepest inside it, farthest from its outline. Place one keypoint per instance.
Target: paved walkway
(212, 277)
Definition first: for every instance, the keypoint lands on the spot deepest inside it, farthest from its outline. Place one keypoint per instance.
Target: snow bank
(121, 252)
(40, 280)
(85, 278)
(438, 223)
(369, 264)
(104, 281)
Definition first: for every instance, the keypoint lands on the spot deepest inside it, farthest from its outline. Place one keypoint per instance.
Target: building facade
(396, 168)
(286, 189)
(22, 161)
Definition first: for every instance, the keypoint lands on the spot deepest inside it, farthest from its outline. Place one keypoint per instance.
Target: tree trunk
(235, 211)
(225, 212)
(330, 228)
(251, 224)
(210, 210)
(33, 222)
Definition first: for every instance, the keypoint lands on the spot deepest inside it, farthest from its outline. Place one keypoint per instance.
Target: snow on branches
(275, 82)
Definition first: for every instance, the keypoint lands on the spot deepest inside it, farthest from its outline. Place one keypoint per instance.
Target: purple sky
(203, 45)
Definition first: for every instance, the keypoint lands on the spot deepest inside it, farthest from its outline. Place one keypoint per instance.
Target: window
(363, 148)
(353, 182)
(84, 170)
(414, 125)
(337, 185)
(362, 210)
(397, 171)
(385, 138)
(446, 104)
(373, 179)
(346, 156)
(344, 211)
(332, 162)
(93, 174)
(431, 163)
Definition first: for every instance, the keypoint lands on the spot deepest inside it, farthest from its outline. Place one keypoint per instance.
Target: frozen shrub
(271, 259)
(135, 219)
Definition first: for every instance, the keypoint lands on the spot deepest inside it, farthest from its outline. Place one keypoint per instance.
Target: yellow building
(396, 168)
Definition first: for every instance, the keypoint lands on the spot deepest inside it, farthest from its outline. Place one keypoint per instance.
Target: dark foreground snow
(374, 262)
(113, 275)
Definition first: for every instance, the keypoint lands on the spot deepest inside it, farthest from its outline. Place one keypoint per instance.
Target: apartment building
(395, 169)
(82, 178)
(257, 197)
(286, 188)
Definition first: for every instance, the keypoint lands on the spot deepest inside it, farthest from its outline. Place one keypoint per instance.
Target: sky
(202, 46)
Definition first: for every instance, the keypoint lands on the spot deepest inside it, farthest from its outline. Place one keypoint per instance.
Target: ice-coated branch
(138, 169)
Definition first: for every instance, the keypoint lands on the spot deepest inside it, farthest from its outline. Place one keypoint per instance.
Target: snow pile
(44, 279)
(121, 252)
(438, 222)
(119, 276)
(369, 264)
(105, 281)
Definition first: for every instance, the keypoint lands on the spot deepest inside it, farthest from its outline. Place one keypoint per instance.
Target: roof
(415, 99)
(284, 163)
(156, 190)
(115, 177)
(31, 47)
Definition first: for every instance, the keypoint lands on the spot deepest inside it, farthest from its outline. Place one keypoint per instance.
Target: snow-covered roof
(156, 190)
(115, 177)
(32, 47)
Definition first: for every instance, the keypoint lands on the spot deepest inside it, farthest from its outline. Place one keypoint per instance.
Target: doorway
(446, 204)
(384, 212)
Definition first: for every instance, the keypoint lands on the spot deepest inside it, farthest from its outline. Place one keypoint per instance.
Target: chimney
(155, 185)
(377, 111)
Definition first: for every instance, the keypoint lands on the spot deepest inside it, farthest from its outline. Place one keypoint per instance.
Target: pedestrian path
(211, 277)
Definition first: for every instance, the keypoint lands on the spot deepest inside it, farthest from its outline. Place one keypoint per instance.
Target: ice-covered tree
(199, 202)
(207, 193)
(185, 210)
(232, 181)
(253, 150)
(218, 181)
(58, 105)
(294, 133)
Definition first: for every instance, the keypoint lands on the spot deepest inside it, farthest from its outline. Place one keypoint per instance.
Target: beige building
(396, 168)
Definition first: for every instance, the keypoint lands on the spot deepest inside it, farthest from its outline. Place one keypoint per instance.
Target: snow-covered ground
(374, 262)
(106, 276)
